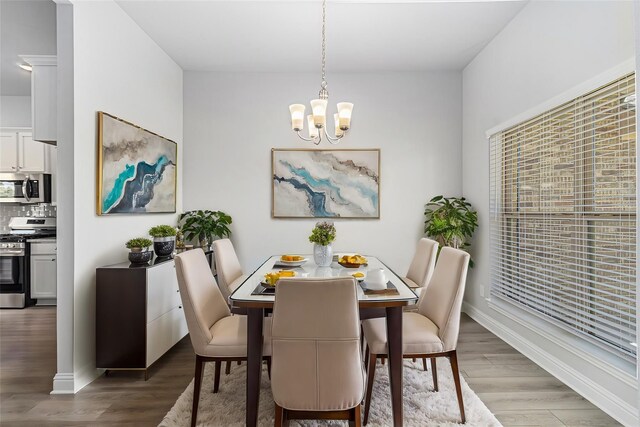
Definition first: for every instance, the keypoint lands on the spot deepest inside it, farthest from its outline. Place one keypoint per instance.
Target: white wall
(120, 70)
(15, 111)
(233, 120)
(547, 49)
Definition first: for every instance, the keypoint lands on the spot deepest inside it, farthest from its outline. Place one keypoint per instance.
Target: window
(563, 216)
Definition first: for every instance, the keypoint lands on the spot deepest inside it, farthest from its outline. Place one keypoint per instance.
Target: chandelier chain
(324, 22)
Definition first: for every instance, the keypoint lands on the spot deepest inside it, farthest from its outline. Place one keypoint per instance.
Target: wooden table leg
(394, 340)
(254, 363)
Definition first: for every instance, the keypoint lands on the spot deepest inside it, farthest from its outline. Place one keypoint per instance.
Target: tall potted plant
(322, 235)
(164, 237)
(204, 225)
(450, 221)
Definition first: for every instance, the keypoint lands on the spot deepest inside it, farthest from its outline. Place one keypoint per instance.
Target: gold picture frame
(136, 169)
(325, 183)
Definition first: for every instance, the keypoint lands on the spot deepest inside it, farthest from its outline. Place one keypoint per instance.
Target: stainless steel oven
(25, 188)
(13, 274)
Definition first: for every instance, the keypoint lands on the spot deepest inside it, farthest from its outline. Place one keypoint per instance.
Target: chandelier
(318, 119)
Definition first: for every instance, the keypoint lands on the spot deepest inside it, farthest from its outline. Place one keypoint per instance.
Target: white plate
(292, 263)
(359, 279)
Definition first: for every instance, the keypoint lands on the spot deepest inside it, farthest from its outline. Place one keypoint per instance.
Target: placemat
(391, 289)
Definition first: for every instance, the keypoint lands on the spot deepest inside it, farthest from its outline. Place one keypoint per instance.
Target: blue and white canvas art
(326, 183)
(136, 171)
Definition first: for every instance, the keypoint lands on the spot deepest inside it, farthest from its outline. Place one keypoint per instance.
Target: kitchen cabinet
(20, 153)
(44, 86)
(139, 314)
(43, 271)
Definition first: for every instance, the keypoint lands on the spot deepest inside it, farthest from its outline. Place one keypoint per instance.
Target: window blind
(563, 216)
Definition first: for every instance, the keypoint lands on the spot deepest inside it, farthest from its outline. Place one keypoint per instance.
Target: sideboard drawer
(162, 290)
(164, 332)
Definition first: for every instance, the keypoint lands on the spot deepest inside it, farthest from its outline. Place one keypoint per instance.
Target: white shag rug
(422, 406)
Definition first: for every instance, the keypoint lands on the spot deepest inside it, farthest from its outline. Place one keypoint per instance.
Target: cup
(376, 279)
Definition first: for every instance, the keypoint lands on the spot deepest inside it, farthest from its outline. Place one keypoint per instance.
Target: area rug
(422, 406)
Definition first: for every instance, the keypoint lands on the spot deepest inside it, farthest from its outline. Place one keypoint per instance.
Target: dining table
(249, 298)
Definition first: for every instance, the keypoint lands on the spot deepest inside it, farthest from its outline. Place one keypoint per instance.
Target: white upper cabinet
(43, 96)
(20, 153)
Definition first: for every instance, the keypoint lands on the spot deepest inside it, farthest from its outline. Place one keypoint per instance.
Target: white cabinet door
(162, 290)
(164, 332)
(30, 153)
(8, 151)
(43, 276)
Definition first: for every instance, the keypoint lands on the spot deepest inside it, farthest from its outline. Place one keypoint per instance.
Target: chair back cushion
(317, 363)
(227, 265)
(202, 301)
(424, 261)
(441, 301)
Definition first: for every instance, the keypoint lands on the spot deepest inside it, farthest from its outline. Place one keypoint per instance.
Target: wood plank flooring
(519, 392)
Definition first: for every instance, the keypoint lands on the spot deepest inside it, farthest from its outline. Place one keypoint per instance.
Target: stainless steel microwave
(25, 188)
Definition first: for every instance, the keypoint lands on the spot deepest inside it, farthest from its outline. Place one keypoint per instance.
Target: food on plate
(291, 258)
(358, 275)
(272, 278)
(353, 259)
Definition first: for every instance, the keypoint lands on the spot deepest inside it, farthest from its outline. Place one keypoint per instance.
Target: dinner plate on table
(292, 263)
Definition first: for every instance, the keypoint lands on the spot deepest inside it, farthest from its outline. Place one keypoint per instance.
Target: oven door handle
(26, 190)
(17, 252)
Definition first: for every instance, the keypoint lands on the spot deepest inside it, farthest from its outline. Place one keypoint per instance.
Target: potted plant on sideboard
(204, 225)
(450, 221)
(164, 237)
(139, 252)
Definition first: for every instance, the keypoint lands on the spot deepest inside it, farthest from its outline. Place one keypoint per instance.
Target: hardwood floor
(519, 392)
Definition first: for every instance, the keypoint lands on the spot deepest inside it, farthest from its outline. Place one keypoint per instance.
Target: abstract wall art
(136, 169)
(326, 183)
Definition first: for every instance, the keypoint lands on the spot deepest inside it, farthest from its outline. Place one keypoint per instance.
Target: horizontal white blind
(563, 216)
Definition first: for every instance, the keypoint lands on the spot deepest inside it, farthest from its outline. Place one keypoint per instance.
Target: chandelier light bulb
(313, 130)
(319, 109)
(297, 116)
(344, 113)
(336, 120)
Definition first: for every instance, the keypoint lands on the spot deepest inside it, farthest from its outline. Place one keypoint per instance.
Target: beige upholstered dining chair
(430, 332)
(317, 364)
(422, 265)
(228, 267)
(216, 336)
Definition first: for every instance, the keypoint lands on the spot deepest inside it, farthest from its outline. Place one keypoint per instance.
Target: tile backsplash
(9, 210)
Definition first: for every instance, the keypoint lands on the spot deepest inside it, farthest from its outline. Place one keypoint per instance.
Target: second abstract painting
(326, 183)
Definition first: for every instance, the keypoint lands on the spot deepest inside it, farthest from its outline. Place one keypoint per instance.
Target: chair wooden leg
(434, 373)
(414, 360)
(453, 357)
(278, 416)
(424, 363)
(227, 369)
(371, 373)
(366, 359)
(239, 362)
(216, 376)
(354, 417)
(196, 389)
(269, 366)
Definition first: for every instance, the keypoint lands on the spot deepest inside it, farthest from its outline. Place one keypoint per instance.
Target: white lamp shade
(297, 116)
(344, 112)
(336, 121)
(319, 110)
(313, 131)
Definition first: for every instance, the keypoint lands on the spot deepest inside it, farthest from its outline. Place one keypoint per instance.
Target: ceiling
(275, 36)
(27, 27)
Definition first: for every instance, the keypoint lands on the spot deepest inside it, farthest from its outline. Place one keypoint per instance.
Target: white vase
(322, 255)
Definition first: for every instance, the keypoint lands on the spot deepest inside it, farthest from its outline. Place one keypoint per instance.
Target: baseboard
(63, 384)
(580, 383)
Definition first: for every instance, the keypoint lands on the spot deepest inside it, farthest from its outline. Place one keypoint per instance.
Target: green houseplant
(450, 221)
(322, 235)
(164, 237)
(139, 252)
(204, 225)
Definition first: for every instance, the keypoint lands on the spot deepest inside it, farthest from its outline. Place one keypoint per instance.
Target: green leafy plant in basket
(204, 225)
(450, 221)
(138, 244)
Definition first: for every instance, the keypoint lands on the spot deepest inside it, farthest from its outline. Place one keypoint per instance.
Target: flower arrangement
(323, 233)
